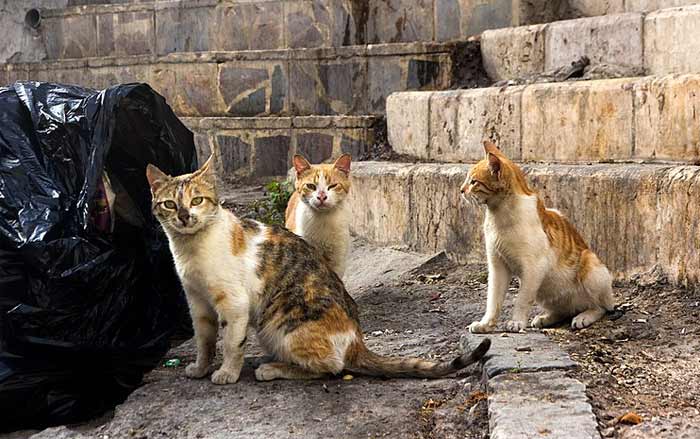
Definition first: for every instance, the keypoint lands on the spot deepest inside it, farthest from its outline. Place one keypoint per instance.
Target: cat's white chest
(328, 231)
(515, 234)
(208, 265)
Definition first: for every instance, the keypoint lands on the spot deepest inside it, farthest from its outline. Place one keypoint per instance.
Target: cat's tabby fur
(538, 245)
(317, 210)
(238, 273)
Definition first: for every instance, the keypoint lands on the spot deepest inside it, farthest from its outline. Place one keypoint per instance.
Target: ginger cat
(538, 245)
(240, 272)
(317, 210)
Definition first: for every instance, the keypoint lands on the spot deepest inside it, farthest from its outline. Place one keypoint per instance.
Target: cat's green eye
(333, 186)
(170, 205)
(311, 186)
(196, 201)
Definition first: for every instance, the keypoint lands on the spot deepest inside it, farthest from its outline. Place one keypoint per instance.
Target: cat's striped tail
(366, 362)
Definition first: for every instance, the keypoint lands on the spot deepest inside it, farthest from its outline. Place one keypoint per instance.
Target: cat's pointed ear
(300, 164)
(207, 171)
(494, 164)
(155, 177)
(490, 147)
(343, 163)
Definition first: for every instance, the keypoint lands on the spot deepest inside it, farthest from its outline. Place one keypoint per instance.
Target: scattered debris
(348, 377)
(173, 362)
(523, 348)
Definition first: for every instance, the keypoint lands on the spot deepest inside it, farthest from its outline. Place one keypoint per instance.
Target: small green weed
(270, 209)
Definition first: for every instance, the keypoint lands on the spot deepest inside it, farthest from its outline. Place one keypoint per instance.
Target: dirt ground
(646, 361)
(643, 358)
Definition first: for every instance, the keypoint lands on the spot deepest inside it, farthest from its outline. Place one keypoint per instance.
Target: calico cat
(238, 273)
(317, 210)
(538, 245)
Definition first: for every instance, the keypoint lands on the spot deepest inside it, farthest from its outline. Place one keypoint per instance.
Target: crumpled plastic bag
(89, 299)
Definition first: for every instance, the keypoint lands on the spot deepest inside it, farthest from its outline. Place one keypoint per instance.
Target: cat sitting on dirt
(317, 210)
(240, 272)
(538, 245)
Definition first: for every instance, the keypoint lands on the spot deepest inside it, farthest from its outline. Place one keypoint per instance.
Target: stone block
(488, 113)
(463, 18)
(408, 122)
(585, 121)
(614, 39)
(127, 33)
(328, 87)
(251, 88)
(272, 155)
(184, 29)
(358, 144)
(320, 23)
(485, 14)
(395, 21)
(234, 153)
(513, 52)
(544, 404)
(594, 8)
(196, 90)
(506, 354)
(667, 118)
(73, 36)
(248, 26)
(316, 147)
(413, 72)
(672, 41)
(653, 5)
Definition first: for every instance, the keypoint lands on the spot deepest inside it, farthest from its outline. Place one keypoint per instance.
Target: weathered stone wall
(265, 146)
(345, 80)
(19, 42)
(633, 216)
(639, 119)
(168, 26)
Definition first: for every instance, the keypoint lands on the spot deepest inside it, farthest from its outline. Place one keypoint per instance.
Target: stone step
(657, 43)
(649, 119)
(636, 217)
(264, 146)
(163, 27)
(591, 8)
(346, 80)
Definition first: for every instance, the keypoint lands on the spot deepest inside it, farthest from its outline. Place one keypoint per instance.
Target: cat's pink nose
(322, 196)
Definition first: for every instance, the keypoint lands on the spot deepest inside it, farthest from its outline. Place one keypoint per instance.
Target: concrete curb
(529, 394)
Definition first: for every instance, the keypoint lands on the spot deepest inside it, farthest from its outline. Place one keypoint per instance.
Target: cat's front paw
(540, 321)
(196, 371)
(222, 376)
(480, 328)
(582, 321)
(515, 326)
(265, 372)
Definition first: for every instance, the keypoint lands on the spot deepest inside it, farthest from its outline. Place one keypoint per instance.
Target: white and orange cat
(318, 211)
(239, 273)
(555, 267)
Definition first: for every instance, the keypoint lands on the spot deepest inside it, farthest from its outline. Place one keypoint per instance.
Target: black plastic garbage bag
(89, 299)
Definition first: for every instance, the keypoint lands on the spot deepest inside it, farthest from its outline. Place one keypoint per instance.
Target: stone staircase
(618, 156)
(259, 80)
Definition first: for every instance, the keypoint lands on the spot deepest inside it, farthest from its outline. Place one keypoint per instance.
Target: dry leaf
(631, 418)
(347, 377)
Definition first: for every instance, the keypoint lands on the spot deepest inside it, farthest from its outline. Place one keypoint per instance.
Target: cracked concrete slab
(539, 405)
(517, 353)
